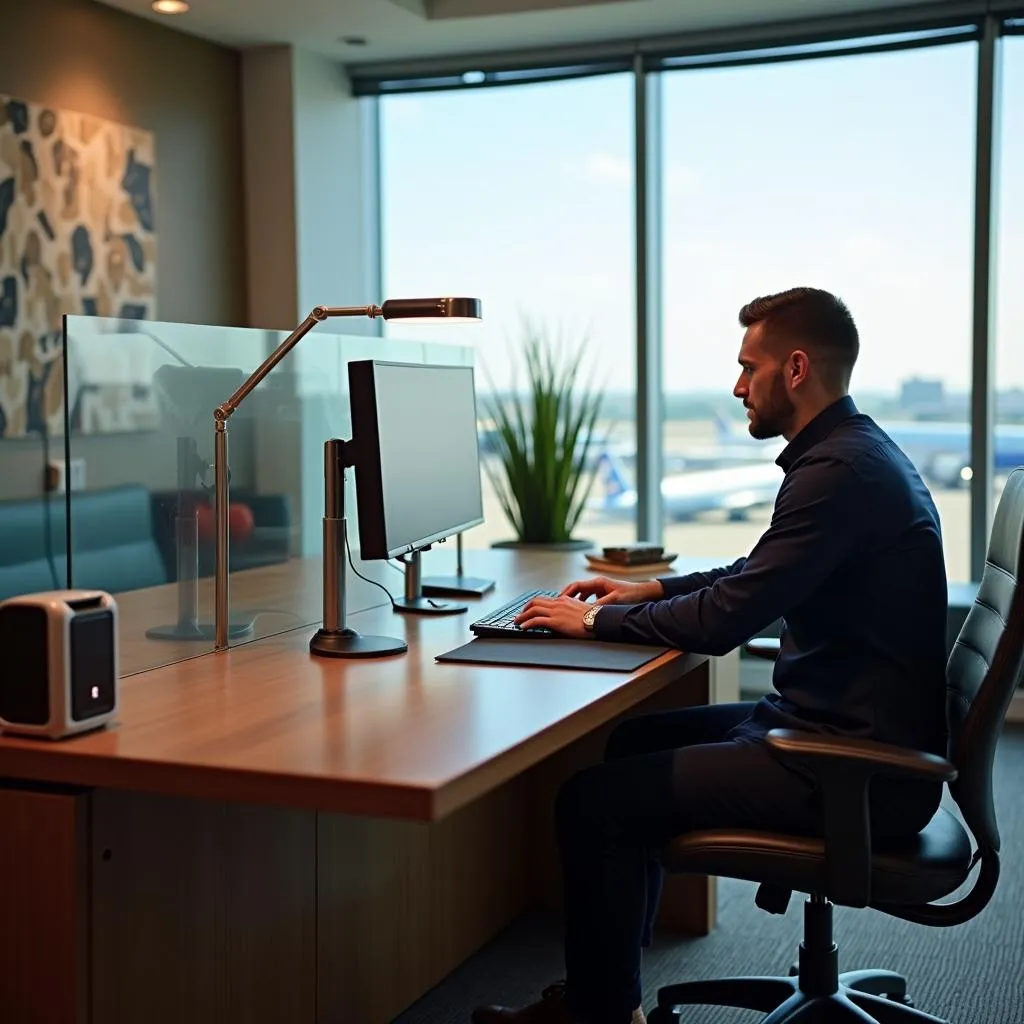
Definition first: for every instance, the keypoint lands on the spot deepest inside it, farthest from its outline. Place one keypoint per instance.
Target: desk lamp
(334, 639)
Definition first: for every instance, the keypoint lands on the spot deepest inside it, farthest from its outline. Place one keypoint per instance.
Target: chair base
(865, 996)
(814, 992)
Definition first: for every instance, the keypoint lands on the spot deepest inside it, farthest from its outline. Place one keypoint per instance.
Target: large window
(1009, 366)
(854, 174)
(523, 196)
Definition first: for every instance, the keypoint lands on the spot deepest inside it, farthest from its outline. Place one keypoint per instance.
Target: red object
(240, 521)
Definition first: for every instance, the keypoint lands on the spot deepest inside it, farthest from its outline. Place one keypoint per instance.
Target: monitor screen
(416, 454)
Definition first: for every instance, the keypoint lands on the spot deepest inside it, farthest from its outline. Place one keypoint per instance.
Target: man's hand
(608, 591)
(563, 615)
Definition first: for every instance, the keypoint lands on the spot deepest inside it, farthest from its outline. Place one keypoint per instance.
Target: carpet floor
(971, 974)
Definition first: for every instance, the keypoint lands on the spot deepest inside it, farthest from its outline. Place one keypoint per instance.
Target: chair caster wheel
(903, 1000)
(663, 1015)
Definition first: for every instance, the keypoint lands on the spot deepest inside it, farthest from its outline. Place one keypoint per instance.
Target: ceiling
(410, 29)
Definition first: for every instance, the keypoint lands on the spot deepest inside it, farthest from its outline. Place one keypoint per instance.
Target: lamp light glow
(427, 311)
(170, 6)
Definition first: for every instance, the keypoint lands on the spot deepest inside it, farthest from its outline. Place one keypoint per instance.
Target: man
(852, 562)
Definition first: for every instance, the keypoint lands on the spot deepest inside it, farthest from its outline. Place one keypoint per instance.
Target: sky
(854, 174)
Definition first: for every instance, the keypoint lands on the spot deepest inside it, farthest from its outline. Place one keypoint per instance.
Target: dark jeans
(663, 774)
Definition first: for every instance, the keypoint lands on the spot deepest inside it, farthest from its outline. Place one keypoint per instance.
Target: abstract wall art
(77, 235)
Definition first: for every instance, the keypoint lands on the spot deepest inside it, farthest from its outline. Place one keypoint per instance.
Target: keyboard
(501, 622)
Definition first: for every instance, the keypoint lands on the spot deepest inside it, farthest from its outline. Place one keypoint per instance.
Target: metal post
(334, 536)
(221, 568)
(649, 441)
(982, 405)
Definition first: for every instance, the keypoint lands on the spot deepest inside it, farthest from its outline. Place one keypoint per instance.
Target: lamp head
(444, 310)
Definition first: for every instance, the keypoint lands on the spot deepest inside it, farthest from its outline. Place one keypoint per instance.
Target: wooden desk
(267, 836)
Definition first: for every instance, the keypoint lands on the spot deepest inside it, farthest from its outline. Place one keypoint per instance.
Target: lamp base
(427, 606)
(237, 628)
(456, 586)
(347, 643)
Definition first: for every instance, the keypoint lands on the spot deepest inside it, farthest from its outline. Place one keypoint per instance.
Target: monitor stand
(414, 601)
(335, 639)
(458, 585)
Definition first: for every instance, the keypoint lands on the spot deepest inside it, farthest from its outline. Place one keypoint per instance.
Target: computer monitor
(417, 462)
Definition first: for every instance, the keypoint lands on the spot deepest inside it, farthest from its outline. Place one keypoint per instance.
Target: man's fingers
(580, 588)
(535, 621)
(538, 605)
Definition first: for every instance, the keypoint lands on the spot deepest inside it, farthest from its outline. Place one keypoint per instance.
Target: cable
(348, 551)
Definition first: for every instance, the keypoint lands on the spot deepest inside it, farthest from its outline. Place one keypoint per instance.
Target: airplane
(735, 490)
(939, 449)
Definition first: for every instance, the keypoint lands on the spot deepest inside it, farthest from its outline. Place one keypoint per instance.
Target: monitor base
(456, 586)
(237, 628)
(427, 606)
(347, 643)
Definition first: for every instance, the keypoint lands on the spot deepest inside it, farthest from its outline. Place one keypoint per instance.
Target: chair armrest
(867, 756)
(843, 769)
(766, 647)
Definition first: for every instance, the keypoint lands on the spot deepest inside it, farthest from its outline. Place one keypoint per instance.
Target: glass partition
(139, 449)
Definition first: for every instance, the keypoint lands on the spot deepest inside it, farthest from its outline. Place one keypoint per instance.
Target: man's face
(762, 387)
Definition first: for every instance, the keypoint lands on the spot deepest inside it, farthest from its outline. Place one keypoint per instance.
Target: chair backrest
(986, 665)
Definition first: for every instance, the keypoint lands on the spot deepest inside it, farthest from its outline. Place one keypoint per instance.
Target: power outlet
(62, 475)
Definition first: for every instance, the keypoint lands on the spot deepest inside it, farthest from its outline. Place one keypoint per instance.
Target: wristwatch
(590, 617)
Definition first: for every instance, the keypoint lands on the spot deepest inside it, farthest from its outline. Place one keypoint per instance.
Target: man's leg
(670, 730)
(608, 817)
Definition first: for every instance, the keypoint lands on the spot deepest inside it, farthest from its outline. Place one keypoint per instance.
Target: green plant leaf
(544, 441)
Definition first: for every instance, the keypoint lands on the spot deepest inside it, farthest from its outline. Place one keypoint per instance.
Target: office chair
(904, 877)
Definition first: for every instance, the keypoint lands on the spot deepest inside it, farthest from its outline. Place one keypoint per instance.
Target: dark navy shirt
(852, 563)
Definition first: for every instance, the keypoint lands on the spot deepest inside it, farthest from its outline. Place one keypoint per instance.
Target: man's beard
(773, 416)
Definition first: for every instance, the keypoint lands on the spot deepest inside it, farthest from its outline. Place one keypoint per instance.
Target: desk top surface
(401, 736)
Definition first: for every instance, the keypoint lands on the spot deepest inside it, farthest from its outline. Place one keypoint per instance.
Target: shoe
(550, 1009)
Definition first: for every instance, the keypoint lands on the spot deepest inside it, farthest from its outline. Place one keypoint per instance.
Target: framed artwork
(77, 235)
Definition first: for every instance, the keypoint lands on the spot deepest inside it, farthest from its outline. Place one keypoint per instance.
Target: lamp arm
(220, 453)
(317, 315)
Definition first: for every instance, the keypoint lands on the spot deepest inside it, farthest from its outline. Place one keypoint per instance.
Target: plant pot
(561, 545)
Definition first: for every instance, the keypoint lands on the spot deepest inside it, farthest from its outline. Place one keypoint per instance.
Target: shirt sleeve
(676, 586)
(820, 515)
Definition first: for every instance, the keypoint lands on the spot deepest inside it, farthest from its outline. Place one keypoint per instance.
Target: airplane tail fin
(723, 428)
(611, 475)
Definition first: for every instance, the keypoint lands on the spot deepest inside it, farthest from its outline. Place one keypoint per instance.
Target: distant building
(922, 396)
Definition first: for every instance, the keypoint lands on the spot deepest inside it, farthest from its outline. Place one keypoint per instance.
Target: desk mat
(587, 654)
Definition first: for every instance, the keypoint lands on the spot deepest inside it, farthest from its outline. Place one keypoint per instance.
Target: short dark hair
(815, 317)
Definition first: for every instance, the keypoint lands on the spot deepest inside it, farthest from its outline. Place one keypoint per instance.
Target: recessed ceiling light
(170, 6)
(353, 40)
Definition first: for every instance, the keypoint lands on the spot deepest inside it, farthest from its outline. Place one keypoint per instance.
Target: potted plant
(544, 440)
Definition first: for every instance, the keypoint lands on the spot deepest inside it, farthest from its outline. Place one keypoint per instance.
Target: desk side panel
(203, 912)
(401, 904)
(43, 907)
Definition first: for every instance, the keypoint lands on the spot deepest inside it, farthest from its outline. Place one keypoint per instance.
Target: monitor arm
(334, 639)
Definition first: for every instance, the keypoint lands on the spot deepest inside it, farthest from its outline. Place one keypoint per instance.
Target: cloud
(602, 167)
(681, 181)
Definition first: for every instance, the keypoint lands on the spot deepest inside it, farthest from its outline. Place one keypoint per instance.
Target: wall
(312, 219)
(78, 55)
